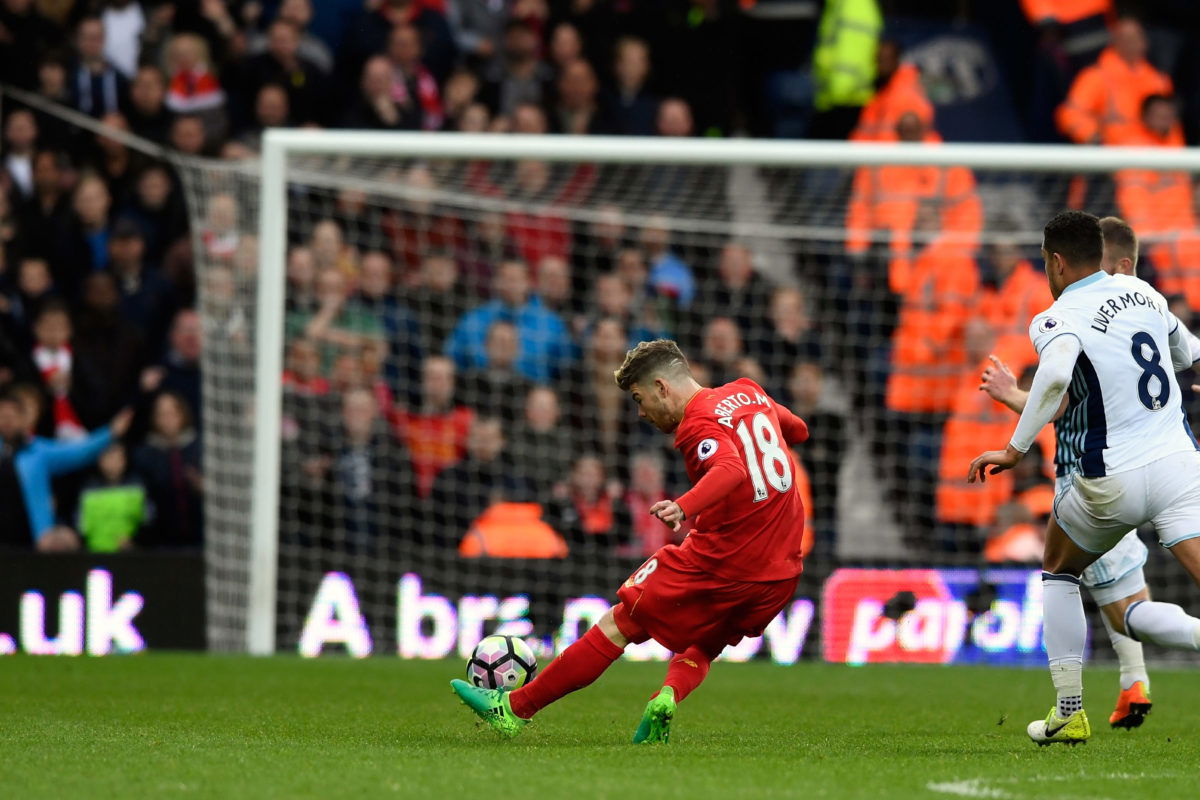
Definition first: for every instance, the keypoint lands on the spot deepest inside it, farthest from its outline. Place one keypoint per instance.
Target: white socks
(1129, 654)
(1064, 629)
(1164, 624)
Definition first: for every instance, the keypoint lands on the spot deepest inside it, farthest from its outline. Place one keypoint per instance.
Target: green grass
(208, 726)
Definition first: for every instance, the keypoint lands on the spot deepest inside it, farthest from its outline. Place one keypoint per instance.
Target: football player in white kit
(1107, 345)
(1115, 580)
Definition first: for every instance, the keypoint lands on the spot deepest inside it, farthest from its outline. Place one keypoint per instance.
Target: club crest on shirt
(705, 449)
(1049, 325)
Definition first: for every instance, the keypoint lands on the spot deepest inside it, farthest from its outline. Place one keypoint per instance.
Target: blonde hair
(1119, 238)
(661, 357)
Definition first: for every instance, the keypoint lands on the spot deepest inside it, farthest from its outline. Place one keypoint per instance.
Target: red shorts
(672, 601)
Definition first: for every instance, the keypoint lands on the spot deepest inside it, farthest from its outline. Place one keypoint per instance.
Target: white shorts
(1097, 512)
(1118, 573)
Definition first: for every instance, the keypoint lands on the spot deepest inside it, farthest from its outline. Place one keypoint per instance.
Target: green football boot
(490, 705)
(1073, 730)
(656, 719)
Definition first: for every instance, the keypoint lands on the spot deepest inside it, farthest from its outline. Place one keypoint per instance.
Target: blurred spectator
(1070, 35)
(330, 250)
(83, 247)
(545, 345)
(113, 506)
(147, 299)
(311, 48)
(631, 106)
(26, 34)
(811, 396)
(927, 358)
(789, 339)
(188, 135)
(377, 296)
(413, 86)
(220, 235)
(722, 350)
(115, 162)
(336, 324)
(898, 91)
(301, 281)
(737, 292)
(370, 478)
(498, 387)
(517, 75)
(53, 358)
(647, 486)
(419, 226)
(485, 477)
(20, 136)
(54, 85)
(963, 509)
(1160, 206)
(843, 65)
(538, 233)
(885, 200)
(108, 352)
(271, 110)
(192, 85)
(98, 88)
(669, 275)
(436, 430)
(587, 509)
(564, 46)
(577, 108)
(1019, 290)
(674, 118)
(148, 115)
(596, 250)
(368, 33)
(41, 218)
(34, 287)
(169, 464)
(554, 286)
(460, 101)
(542, 444)
(478, 26)
(436, 301)
(157, 206)
(614, 300)
(26, 466)
(600, 413)
(1105, 101)
(123, 22)
(282, 64)
(179, 370)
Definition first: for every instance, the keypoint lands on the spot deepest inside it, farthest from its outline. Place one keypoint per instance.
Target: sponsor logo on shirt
(705, 449)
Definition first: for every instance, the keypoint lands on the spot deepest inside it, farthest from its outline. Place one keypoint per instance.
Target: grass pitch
(210, 726)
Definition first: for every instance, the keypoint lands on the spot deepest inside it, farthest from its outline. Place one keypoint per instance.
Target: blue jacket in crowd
(546, 346)
(43, 459)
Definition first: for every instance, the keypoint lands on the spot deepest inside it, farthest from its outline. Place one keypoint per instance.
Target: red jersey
(745, 502)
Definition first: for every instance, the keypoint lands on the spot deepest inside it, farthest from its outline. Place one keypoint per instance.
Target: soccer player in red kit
(734, 572)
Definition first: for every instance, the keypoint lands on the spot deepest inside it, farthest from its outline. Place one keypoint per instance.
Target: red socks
(687, 671)
(578, 666)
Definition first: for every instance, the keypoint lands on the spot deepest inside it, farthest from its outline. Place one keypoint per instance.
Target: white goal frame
(279, 145)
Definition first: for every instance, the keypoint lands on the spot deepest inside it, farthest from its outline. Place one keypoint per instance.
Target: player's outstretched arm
(1001, 385)
(1044, 403)
(726, 474)
(1185, 347)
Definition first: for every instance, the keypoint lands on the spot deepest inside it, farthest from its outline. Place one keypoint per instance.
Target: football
(501, 662)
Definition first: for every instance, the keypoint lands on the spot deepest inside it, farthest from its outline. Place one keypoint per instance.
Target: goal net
(431, 447)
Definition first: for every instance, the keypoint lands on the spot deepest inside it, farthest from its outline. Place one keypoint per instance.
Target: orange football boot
(1133, 705)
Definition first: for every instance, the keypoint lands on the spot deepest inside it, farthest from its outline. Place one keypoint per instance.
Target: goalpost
(785, 201)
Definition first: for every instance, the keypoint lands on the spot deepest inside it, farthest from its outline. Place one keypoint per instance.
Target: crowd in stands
(449, 375)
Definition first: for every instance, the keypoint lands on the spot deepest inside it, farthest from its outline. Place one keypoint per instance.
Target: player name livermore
(1109, 309)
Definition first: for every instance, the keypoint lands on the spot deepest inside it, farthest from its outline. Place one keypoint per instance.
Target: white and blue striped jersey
(1124, 405)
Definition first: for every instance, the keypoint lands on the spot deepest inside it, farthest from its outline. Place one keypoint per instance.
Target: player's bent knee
(608, 626)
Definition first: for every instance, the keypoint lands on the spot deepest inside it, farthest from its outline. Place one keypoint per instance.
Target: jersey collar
(1088, 281)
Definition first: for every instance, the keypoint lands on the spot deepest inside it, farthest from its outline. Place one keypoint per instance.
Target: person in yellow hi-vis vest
(844, 65)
